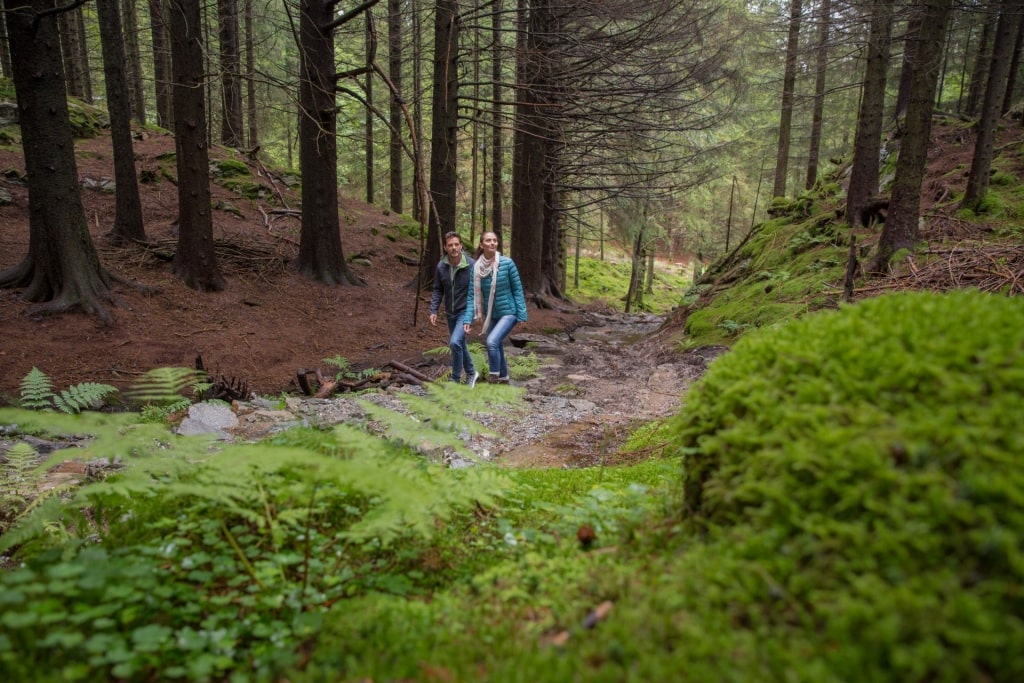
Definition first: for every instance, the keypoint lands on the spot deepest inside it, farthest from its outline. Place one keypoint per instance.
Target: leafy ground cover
(839, 500)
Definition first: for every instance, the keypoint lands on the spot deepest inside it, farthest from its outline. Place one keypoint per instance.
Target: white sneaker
(471, 379)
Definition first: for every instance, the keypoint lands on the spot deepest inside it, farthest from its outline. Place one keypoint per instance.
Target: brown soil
(269, 322)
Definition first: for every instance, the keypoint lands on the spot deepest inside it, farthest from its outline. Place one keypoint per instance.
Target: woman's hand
(466, 327)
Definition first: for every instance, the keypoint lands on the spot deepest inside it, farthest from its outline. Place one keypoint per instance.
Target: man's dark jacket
(452, 283)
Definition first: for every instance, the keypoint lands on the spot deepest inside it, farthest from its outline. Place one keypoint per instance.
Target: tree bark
(444, 135)
(820, 69)
(62, 267)
(530, 152)
(497, 138)
(901, 227)
(128, 224)
(161, 63)
(320, 254)
(133, 61)
(395, 157)
(231, 126)
(864, 173)
(992, 105)
(195, 261)
(788, 88)
(250, 78)
(370, 161)
(982, 59)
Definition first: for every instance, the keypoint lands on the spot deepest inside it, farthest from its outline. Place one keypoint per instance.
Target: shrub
(870, 459)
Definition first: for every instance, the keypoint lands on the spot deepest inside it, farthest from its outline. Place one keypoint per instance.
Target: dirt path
(595, 387)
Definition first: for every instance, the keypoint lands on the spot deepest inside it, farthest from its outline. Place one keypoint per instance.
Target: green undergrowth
(852, 510)
(787, 268)
(606, 282)
(840, 498)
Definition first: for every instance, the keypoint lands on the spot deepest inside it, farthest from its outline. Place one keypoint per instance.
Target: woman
(496, 297)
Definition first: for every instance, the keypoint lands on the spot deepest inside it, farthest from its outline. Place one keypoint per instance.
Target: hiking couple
(485, 287)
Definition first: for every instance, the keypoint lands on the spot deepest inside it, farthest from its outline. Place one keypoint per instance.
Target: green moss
(1003, 178)
(230, 168)
(873, 455)
(246, 188)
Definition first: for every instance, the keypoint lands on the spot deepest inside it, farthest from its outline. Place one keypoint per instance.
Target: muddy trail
(593, 387)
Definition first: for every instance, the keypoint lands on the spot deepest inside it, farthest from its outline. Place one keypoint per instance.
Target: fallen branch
(402, 367)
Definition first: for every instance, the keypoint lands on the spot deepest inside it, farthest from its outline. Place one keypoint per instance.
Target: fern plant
(15, 473)
(164, 386)
(37, 393)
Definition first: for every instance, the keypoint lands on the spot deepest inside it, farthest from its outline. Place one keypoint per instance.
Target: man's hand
(433, 318)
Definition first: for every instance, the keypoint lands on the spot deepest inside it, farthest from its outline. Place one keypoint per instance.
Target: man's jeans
(459, 348)
(495, 345)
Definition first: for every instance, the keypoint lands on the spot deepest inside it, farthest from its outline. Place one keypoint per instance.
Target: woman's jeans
(459, 348)
(495, 348)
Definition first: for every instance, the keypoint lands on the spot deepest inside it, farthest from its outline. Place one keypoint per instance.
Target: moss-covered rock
(872, 459)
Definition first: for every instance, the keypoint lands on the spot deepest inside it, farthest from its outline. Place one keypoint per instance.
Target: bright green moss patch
(871, 458)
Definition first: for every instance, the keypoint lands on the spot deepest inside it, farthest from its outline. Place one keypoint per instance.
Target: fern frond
(32, 525)
(162, 385)
(414, 432)
(36, 390)
(438, 351)
(19, 462)
(339, 362)
(83, 396)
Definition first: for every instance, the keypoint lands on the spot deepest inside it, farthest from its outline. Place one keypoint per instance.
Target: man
(451, 283)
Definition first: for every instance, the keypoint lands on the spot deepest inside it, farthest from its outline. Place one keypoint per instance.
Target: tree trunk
(864, 173)
(128, 224)
(250, 79)
(195, 261)
(444, 134)
(529, 154)
(369, 112)
(76, 53)
(1011, 78)
(83, 54)
(418, 197)
(982, 59)
(133, 61)
(900, 230)
(231, 126)
(62, 267)
(395, 157)
(788, 87)
(992, 105)
(821, 64)
(5, 49)
(320, 254)
(161, 63)
(497, 139)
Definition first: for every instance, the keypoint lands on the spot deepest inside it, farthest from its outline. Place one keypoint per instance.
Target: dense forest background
(665, 127)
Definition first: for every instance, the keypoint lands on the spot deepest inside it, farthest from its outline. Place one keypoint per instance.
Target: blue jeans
(495, 345)
(459, 348)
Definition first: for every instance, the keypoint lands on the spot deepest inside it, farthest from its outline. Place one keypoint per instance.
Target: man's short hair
(449, 235)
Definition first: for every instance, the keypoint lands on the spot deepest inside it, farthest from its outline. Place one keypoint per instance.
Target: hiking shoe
(492, 378)
(471, 379)
(501, 380)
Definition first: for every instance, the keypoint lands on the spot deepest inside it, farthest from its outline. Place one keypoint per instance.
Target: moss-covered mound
(873, 458)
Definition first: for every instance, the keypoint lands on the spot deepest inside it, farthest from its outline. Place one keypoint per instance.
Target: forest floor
(271, 321)
(594, 383)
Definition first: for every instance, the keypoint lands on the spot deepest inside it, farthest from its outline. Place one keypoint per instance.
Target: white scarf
(481, 269)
